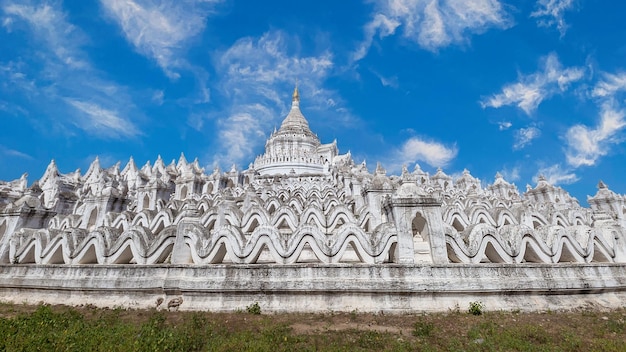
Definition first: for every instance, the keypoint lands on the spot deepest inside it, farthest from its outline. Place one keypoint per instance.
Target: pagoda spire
(296, 95)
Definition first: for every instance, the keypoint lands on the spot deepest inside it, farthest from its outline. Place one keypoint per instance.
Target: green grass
(60, 328)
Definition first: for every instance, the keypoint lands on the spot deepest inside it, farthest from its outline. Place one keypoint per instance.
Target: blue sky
(518, 87)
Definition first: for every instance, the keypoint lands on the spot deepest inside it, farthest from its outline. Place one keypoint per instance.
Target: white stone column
(436, 234)
(404, 252)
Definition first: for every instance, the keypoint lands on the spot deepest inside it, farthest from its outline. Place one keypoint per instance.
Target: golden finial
(296, 95)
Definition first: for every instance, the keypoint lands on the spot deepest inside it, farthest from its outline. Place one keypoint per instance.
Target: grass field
(61, 328)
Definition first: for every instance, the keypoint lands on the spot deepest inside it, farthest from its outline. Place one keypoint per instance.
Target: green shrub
(476, 308)
(254, 308)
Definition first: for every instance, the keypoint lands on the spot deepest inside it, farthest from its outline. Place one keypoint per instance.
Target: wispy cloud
(161, 29)
(382, 25)
(271, 59)
(532, 89)
(524, 136)
(239, 129)
(504, 125)
(158, 96)
(417, 149)
(556, 175)
(57, 71)
(12, 108)
(432, 24)
(552, 12)
(511, 174)
(387, 81)
(14, 153)
(586, 145)
(46, 20)
(611, 84)
(257, 78)
(102, 121)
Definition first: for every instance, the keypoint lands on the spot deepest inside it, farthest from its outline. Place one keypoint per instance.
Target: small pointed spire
(380, 170)
(131, 164)
(159, 164)
(115, 169)
(23, 182)
(182, 161)
(147, 168)
(95, 165)
(196, 166)
(52, 169)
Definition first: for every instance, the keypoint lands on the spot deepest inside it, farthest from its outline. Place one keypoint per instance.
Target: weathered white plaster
(388, 288)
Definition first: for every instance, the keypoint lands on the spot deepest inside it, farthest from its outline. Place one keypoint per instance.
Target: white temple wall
(319, 288)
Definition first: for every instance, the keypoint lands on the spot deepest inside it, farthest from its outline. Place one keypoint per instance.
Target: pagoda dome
(294, 149)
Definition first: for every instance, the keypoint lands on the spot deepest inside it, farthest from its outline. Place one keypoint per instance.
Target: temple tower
(294, 148)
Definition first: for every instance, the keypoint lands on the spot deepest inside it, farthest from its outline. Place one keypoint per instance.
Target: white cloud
(524, 136)
(101, 121)
(387, 81)
(57, 71)
(551, 12)
(160, 29)
(585, 145)
(158, 97)
(504, 125)
(14, 153)
(417, 149)
(14, 77)
(269, 60)
(432, 24)
(47, 21)
(532, 89)
(610, 85)
(380, 24)
(239, 130)
(555, 175)
(511, 175)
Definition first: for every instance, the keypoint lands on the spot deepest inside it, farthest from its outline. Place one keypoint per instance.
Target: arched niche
(145, 204)
(419, 226)
(421, 245)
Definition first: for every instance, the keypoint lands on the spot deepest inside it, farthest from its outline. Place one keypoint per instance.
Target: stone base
(388, 288)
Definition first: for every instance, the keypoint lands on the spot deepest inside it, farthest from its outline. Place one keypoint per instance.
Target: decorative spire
(295, 121)
(296, 95)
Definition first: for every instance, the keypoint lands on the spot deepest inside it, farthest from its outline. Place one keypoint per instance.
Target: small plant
(254, 308)
(476, 308)
(455, 310)
(423, 328)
